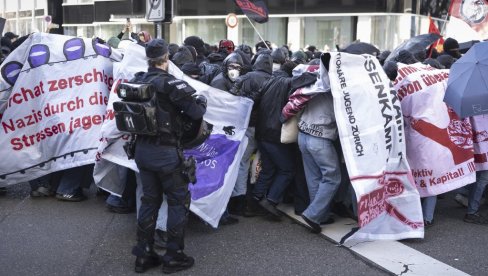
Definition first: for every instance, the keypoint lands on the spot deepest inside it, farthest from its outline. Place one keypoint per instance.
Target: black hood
(278, 56)
(232, 58)
(246, 59)
(246, 49)
(182, 56)
(264, 62)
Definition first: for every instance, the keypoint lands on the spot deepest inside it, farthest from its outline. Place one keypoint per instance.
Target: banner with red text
(472, 12)
(370, 123)
(53, 95)
(480, 141)
(439, 144)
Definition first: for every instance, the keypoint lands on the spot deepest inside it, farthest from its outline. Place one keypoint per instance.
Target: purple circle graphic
(11, 71)
(39, 55)
(101, 49)
(74, 49)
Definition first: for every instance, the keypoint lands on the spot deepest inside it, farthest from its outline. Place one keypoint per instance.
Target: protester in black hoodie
(198, 44)
(249, 85)
(246, 61)
(231, 68)
(182, 56)
(278, 161)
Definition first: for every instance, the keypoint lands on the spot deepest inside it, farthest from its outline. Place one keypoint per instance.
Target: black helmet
(195, 132)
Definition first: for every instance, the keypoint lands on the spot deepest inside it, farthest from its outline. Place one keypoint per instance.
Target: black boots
(146, 257)
(253, 208)
(176, 262)
(237, 205)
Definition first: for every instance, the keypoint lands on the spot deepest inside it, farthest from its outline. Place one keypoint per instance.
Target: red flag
(438, 44)
(255, 10)
(473, 12)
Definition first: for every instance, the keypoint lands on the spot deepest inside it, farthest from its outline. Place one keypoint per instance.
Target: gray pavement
(454, 242)
(48, 237)
(43, 236)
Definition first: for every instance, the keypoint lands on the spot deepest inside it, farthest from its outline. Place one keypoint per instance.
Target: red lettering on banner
(85, 122)
(27, 94)
(25, 141)
(408, 88)
(431, 79)
(109, 114)
(403, 72)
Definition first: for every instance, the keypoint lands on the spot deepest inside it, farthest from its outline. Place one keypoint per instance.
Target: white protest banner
(217, 158)
(53, 95)
(439, 144)
(370, 124)
(480, 141)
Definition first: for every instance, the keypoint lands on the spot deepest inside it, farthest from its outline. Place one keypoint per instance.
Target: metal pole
(34, 27)
(158, 29)
(257, 32)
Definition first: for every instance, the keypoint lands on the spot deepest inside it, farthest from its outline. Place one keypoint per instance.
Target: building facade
(326, 24)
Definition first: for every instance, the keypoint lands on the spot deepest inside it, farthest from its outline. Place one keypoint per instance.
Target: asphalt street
(48, 237)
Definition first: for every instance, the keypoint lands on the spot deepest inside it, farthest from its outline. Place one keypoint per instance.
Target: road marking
(392, 256)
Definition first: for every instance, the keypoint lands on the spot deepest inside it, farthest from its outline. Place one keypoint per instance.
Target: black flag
(255, 10)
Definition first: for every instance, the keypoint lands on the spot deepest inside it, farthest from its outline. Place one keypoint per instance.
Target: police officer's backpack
(139, 112)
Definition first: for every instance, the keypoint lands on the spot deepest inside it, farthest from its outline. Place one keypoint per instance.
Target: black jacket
(275, 93)
(208, 72)
(175, 97)
(249, 85)
(222, 81)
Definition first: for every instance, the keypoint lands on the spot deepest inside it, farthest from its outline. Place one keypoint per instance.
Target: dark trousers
(159, 168)
(277, 170)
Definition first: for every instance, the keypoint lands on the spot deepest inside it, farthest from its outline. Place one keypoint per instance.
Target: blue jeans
(476, 191)
(277, 170)
(127, 199)
(74, 179)
(323, 173)
(428, 207)
(43, 181)
(241, 183)
(159, 172)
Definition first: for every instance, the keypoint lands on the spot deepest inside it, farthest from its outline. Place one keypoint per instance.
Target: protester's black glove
(201, 100)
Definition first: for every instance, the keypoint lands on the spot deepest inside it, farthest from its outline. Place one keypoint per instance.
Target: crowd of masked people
(310, 174)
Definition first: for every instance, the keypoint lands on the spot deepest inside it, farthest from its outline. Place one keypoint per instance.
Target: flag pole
(444, 26)
(257, 32)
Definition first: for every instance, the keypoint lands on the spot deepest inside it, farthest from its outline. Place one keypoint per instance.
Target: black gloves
(200, 99)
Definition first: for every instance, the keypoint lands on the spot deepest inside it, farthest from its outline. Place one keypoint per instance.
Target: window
(327, 32)
(210, 30)
(274, 31)
(75, 2)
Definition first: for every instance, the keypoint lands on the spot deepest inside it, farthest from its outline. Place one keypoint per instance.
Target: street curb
(392, 256)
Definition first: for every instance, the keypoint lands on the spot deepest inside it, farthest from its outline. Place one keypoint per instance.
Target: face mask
(233, 74)
(276, 66)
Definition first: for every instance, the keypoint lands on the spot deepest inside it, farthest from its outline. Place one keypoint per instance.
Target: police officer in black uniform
(159, 159)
